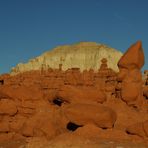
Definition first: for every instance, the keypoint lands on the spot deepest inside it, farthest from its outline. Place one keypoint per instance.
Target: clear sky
(30, 27)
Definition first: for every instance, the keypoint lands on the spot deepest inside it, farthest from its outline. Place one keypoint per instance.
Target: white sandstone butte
(83, 55)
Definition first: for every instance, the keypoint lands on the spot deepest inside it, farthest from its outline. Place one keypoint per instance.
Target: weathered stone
(4, 127)
(40, 124)
(33, 93)
(133, 57)
(140, 129)
(81, 94)
(145, 91)
(28, 128)
(83, 114)
(130, 76)
(7, 107)
(17, 124)
(6, 137)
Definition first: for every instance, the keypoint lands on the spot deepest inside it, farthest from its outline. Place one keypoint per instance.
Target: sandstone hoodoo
(88, 99)
(130, 76)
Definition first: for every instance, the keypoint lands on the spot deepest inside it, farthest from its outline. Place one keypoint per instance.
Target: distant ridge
(83, 55)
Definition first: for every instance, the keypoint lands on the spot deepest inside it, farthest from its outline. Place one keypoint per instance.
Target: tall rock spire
(130, 76)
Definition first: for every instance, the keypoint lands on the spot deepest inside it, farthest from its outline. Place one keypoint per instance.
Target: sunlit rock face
(130, 75)
(103, 104)
(84, 55)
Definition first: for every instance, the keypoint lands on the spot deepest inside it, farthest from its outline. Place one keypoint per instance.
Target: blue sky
(30, 27)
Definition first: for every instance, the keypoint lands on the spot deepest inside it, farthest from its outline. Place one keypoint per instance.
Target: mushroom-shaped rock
(82, 114)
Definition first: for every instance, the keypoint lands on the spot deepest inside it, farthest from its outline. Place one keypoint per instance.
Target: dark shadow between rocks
(72, 126)
(104, 128)
(57, 101)
(1, 82)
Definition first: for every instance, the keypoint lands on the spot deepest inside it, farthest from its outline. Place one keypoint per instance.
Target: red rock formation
(140, 129)
(130, 76)
(7, 107)
(104, 64)
(145, 91)
(145, 87)
(146, 77)
(83, 94)
(82, 114)
(133, 58)
(51, 102)
(73, 77)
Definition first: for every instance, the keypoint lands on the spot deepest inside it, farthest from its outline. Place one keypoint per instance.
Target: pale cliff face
(85, 55)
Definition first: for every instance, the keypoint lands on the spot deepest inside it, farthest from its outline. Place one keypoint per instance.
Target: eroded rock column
(130, 76)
